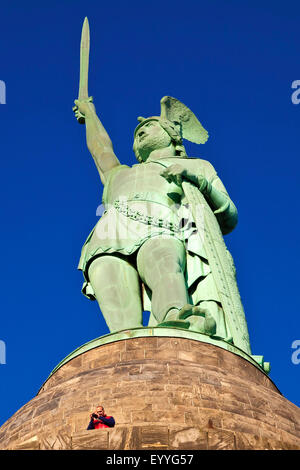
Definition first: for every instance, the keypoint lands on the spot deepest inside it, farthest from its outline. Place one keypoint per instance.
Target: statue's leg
(208, 315)
(116, 285)
(161, 265)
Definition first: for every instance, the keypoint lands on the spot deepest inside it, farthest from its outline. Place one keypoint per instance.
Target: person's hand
(174, 173)
(177, 173)
(83, 109)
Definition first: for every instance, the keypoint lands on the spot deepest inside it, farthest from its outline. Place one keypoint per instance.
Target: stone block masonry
(164, 393)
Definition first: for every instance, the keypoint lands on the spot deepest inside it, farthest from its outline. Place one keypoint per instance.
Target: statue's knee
(103, 266)
(95, 266)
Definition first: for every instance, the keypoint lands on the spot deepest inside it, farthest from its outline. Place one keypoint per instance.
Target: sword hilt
(79, 116)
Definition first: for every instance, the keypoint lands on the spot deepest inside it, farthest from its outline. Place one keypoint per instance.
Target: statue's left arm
(217, 197)
(208, 182)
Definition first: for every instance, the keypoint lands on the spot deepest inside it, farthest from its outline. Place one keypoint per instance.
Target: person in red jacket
(99, 419)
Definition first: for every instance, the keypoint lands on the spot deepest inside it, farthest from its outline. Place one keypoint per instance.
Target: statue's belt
(148, 196)
(123, 207)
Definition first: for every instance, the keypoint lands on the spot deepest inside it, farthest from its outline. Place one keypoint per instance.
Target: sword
(84, 69)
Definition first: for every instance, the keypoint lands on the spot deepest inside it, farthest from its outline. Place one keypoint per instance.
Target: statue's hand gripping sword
(84, 70)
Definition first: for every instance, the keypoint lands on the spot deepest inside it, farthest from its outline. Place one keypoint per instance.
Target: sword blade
(84, 60)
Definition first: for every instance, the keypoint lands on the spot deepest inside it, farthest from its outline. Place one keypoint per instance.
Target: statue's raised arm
(98, 141)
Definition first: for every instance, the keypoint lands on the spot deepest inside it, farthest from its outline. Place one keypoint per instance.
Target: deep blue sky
(233, 64)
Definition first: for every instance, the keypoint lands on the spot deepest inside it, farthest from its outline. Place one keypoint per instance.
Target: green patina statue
(159, 243)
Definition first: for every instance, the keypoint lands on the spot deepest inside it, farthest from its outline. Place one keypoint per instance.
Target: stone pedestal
(164, 393)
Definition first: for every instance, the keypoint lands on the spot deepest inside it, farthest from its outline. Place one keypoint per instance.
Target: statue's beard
(150, 143)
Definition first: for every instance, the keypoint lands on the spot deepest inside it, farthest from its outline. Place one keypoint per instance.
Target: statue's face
(151, 136)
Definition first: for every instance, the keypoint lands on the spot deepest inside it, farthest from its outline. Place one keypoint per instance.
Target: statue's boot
(201, 321)
(191, 317)
(176, 318)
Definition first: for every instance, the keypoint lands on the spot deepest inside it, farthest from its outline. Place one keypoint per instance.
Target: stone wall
(164, 393)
